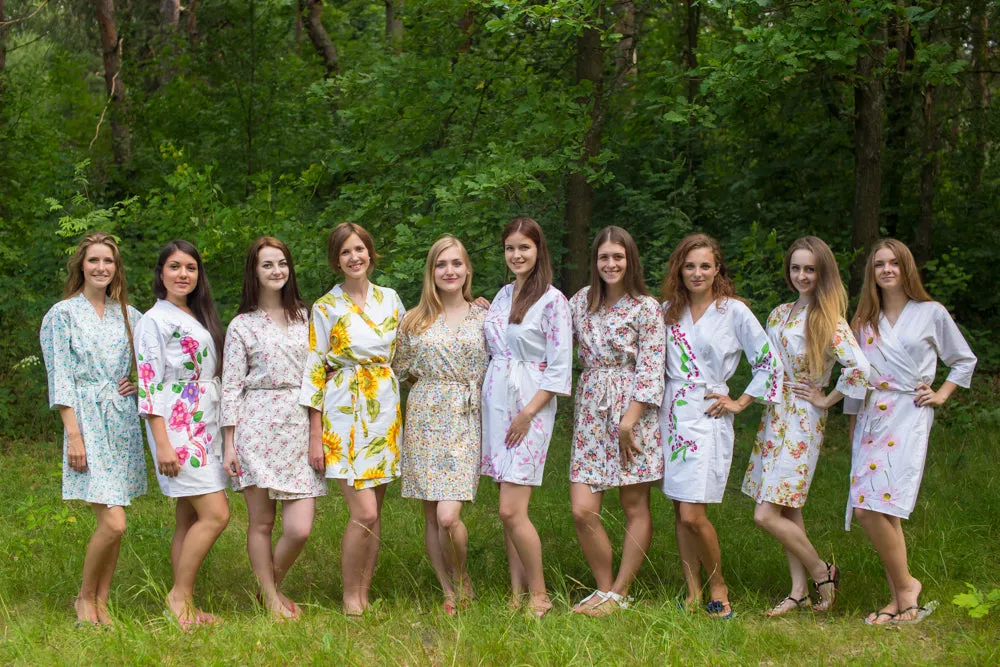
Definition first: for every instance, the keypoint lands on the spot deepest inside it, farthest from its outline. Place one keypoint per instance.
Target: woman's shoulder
(581, 296)
(554, 294)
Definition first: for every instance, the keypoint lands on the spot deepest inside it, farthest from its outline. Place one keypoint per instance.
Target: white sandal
(582, 605)
(623, 602)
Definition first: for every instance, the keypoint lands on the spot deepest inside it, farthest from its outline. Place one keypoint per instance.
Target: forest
(756, 121)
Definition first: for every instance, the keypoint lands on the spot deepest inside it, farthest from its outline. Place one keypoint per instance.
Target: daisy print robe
(701, 357)
(890, 438)
(790, 436)
(514, 377)
(362, 420)
(176, 361)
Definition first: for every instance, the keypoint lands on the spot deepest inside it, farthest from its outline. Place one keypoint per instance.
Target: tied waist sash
(710, 387)
(604, 396)
(472, 395)
(518, 373)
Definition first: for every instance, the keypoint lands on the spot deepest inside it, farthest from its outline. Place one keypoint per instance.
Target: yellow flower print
(340, 339)
(886, 496)
(317, 376)
(381, 372)
(861, 498)
(375, 472)
(393, 433)
(333, 447)
(367, 383)
(312, 336)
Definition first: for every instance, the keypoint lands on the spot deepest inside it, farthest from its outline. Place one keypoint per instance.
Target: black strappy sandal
(801, 604)
(878, 615)
(832, 577)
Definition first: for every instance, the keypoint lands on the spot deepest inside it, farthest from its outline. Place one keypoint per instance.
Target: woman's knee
(763, 516)
(585, 516)
(365, 515)
(113, 522)
(512, 512)
(692, 520)
(449, 518)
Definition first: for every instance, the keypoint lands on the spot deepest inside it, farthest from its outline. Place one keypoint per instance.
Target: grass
(953, 538)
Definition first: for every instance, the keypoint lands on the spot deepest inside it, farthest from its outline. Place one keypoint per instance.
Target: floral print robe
(514, 377)
(622, 352)
(177, 361)
(890, 438)
(362, 420)
(85, 358)
(790, 436)
(261, 378)
(442, 447)
(701, 357)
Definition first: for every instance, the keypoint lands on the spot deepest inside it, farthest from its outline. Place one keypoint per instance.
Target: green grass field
(954, 537)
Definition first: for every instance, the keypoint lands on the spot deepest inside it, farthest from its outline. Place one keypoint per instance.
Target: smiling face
(98, 267)
(179, 276)
(802, 272)
(520, 253)
(888, 274)
(272, 269)
(450, 271)
(699, 270)
(353, 259)
(611, 262)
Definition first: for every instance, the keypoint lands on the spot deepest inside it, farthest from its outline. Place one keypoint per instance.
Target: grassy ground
(953, 538)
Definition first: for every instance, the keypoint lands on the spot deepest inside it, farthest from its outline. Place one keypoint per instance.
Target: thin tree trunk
(626, 61)
(579, 191)
(900, 101)
(394, 24)
(690, 59)
(3, 39)
(980, 90)
(312, 14)
(298, 28)
(170, 13)
(869, 103)
(111, 51)
(928, 177)
(191, 20)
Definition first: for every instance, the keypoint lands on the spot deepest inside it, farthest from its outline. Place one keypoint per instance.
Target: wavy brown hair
(117, 289)
(419, 319)
(340, 234)
(541, 275)
(829, 306)
(635, 283)
(199, 300)
(870, 304)
(291, 301)
(674, 291)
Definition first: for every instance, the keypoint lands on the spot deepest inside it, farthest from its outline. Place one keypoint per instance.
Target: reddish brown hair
(336, 240)
(291, 302)
(676, 293)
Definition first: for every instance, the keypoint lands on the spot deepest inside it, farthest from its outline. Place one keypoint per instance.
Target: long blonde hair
(117, 289)
(829, 306)
(870, 305)
(420, 318)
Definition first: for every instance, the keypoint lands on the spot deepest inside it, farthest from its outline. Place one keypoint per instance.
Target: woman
(178, 350)
(708, 329)
(616, 433)
(528, 324)
(441, 346)
(266, 431)
(355, 422)
(808, 335)
(903, 333)
(87, 345)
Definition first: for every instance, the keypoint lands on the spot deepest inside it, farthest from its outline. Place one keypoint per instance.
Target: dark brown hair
(541, 275)
(870, 305)
(291, 302)
(199, 300)
(676, 293)
(635, 284)
(336, 240)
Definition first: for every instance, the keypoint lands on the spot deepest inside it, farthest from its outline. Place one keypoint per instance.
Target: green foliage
(978, 604)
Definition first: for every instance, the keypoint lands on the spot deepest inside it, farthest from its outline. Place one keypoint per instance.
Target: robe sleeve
(150, 359)
(855, 368)
(557, 325)
(56, 338)
(402, 360)
(650, 358)
(235, 365)
(951, 347)
(768, 374)
(314, 373)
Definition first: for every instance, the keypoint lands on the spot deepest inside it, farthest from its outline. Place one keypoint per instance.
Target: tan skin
(270, 564)
(786, 523)
(101, 557)
(634, 498)
(884, 531)
(199, 520)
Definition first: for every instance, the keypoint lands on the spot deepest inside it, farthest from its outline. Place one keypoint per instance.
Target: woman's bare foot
(539, 604)
(103, 617)
(883, 616)
(86, 611)
(595, 598)
(182, 610)
(791, 603)
(908, 599)
(516, 601)
(466, 594)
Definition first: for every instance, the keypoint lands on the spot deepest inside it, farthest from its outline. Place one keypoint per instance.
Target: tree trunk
(579, 191)
(394, 24)
(170, 14)
(111, 50)
(626, 62)
(690, 59)
(312, 13)
(3, 40)
(928, 177)
(900, 101)
(869, 103)
(191, 20)
(980, 91)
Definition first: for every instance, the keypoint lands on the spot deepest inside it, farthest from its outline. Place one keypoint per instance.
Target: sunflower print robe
(362, 421)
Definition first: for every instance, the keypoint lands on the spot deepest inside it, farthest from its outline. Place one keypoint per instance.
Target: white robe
(890, 438)
(513, 378)
(701, 357)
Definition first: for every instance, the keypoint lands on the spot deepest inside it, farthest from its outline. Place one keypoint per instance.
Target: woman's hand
(316, 459)
(166, 460)
(518, 429)
(76, 453)
(627, 449)
(126, 388)
(231, 462)
(927, 397)
(723, 405)
(482, 302)
(810, 393)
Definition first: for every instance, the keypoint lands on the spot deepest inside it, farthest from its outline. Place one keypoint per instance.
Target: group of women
(285, 399)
